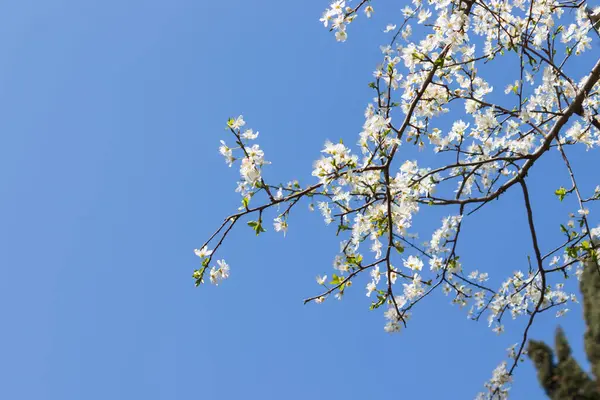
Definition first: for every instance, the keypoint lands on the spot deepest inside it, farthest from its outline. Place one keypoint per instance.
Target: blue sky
(112, 113)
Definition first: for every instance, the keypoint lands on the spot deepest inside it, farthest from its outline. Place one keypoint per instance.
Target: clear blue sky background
(111, 114)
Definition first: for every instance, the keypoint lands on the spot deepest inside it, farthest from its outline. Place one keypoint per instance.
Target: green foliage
(336, 280)
(381, 297)
(561, 193)
(257, 226)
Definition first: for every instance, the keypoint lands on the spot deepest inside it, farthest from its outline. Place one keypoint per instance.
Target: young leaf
(561, 193)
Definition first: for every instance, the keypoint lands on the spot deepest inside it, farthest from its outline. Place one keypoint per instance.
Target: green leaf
(561, 193)
(571, 252)
(257, 226)
(355, 260)
(342, 228)
(336, 280)
(380, 300)
(198, 275)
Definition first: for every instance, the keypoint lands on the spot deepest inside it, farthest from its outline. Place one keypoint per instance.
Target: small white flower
(413, 263)
(424, 15)
(219, 274)
(512, 87)
(249, 172)
(280, 225)
(227, 153)
(214, 276)
(561, 312)
(574, 298)
(203, 252)
(375, 274)
(237, 123)
(371, 287)
(249, 134)
(279, 194)
(223, 268)
(341, 35)
(407, 11)
(321, 279)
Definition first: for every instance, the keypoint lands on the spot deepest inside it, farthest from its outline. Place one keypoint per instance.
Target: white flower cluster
(338, 16)
(487, 147)
(253, 158)
(219, 274)
(440, 238)
(337, 157)
(216, 274)
(522, 295)
(498, 385)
